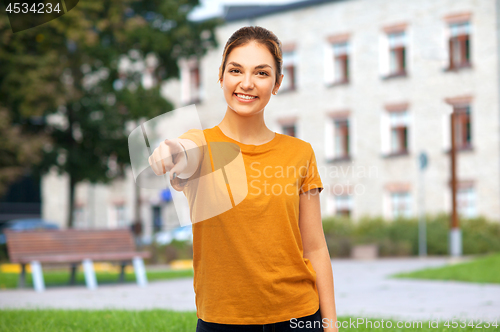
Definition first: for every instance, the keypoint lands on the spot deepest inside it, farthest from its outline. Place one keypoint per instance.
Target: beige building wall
(425, 90)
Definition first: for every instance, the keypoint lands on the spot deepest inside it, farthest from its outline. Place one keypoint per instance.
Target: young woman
(263, 263)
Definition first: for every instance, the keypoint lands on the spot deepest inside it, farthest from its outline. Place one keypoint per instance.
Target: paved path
(362, 290)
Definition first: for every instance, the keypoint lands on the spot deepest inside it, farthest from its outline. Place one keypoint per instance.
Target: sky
(210, 8)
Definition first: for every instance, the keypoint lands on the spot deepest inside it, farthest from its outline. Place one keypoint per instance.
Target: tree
(18, 151)
(61, 81)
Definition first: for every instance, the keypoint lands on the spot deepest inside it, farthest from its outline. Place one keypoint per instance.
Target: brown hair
(262, 36)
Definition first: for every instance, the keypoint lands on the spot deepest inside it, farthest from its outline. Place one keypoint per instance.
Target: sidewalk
(362, 289)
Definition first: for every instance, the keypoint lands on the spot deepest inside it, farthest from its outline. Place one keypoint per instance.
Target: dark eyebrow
(256, 67)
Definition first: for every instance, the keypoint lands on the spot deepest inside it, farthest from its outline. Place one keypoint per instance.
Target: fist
(168, 157)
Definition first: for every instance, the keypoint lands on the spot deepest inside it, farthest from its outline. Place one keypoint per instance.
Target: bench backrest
(68, 241)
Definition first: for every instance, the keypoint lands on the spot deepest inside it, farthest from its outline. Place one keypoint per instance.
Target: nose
(247, 82)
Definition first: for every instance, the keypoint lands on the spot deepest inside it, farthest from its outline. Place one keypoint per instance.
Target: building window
(288, 83)
(399, 132)
(289, 129)
(337, 60)
(338, 136)
(462, 118)
(339, 202)
(462, 127)
(395, 126)
(343, 205)
(397, 53)
(341, 139)
(341, 62)
(120, 213)
(400, 204)
(459, 45)
(466, 202)
(190, 81)
(194, 80)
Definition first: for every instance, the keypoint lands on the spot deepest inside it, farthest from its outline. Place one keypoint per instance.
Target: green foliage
(164, 254)
(18, 150)
(400, 236)
(61, 83)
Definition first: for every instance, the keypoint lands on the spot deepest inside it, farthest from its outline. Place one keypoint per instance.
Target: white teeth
(245, 97)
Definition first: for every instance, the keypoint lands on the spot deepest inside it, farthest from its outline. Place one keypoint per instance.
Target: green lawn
(165, 320)
(59, 278)
(102, 320)
(481, 270)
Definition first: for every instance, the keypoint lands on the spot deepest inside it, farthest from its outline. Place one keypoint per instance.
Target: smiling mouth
(245, 97)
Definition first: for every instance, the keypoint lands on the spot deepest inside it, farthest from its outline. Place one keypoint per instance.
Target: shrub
(400, 236)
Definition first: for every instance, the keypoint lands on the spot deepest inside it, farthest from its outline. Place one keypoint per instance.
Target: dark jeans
(296, 324)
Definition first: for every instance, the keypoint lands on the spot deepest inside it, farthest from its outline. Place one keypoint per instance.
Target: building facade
(370, 84)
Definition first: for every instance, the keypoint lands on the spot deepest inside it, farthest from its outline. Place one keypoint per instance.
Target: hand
(168, 157)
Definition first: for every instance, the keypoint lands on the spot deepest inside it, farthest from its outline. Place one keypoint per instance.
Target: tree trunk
(137, 224)
(137, 217)
(72, 185)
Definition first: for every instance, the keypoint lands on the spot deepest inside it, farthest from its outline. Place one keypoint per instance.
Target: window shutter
(329, 150)
(463, 51)
(352, 136)
(401, 67)
(409, 133)
(328, 64)
(467, 48)
(384, 133)
(450, 49)
(344, 68)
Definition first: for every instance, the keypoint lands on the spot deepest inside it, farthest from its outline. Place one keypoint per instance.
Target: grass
(13, 320)
(481, 270)
(101, 320)
(61, 278)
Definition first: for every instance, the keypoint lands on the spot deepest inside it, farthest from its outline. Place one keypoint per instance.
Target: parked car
(182, 233)
(25, 225)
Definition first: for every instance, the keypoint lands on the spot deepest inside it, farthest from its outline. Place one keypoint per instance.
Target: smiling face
(250, 71)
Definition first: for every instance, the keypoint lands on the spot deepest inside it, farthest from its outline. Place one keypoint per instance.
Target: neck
(246, 129)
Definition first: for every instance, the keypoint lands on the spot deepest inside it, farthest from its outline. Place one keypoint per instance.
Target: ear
(277, 85)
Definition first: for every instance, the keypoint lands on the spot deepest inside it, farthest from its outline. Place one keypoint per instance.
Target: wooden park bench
(74, 246)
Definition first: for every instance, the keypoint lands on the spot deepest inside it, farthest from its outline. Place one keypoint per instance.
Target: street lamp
(422, 238)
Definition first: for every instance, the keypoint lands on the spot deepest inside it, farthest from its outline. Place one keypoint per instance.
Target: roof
(242, 12)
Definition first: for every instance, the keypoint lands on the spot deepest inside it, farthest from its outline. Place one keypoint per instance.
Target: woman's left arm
(315, 249)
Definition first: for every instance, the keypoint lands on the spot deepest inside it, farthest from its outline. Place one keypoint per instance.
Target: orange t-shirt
(248, 259)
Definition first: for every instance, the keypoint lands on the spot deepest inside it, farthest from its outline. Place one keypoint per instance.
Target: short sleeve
(197, 136)
(312, 178)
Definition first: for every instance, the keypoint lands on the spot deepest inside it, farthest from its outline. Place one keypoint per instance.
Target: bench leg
(72, 277)
(140, 271)
(22, 277)
(121, 278)
(90, 279)
(36, 271)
